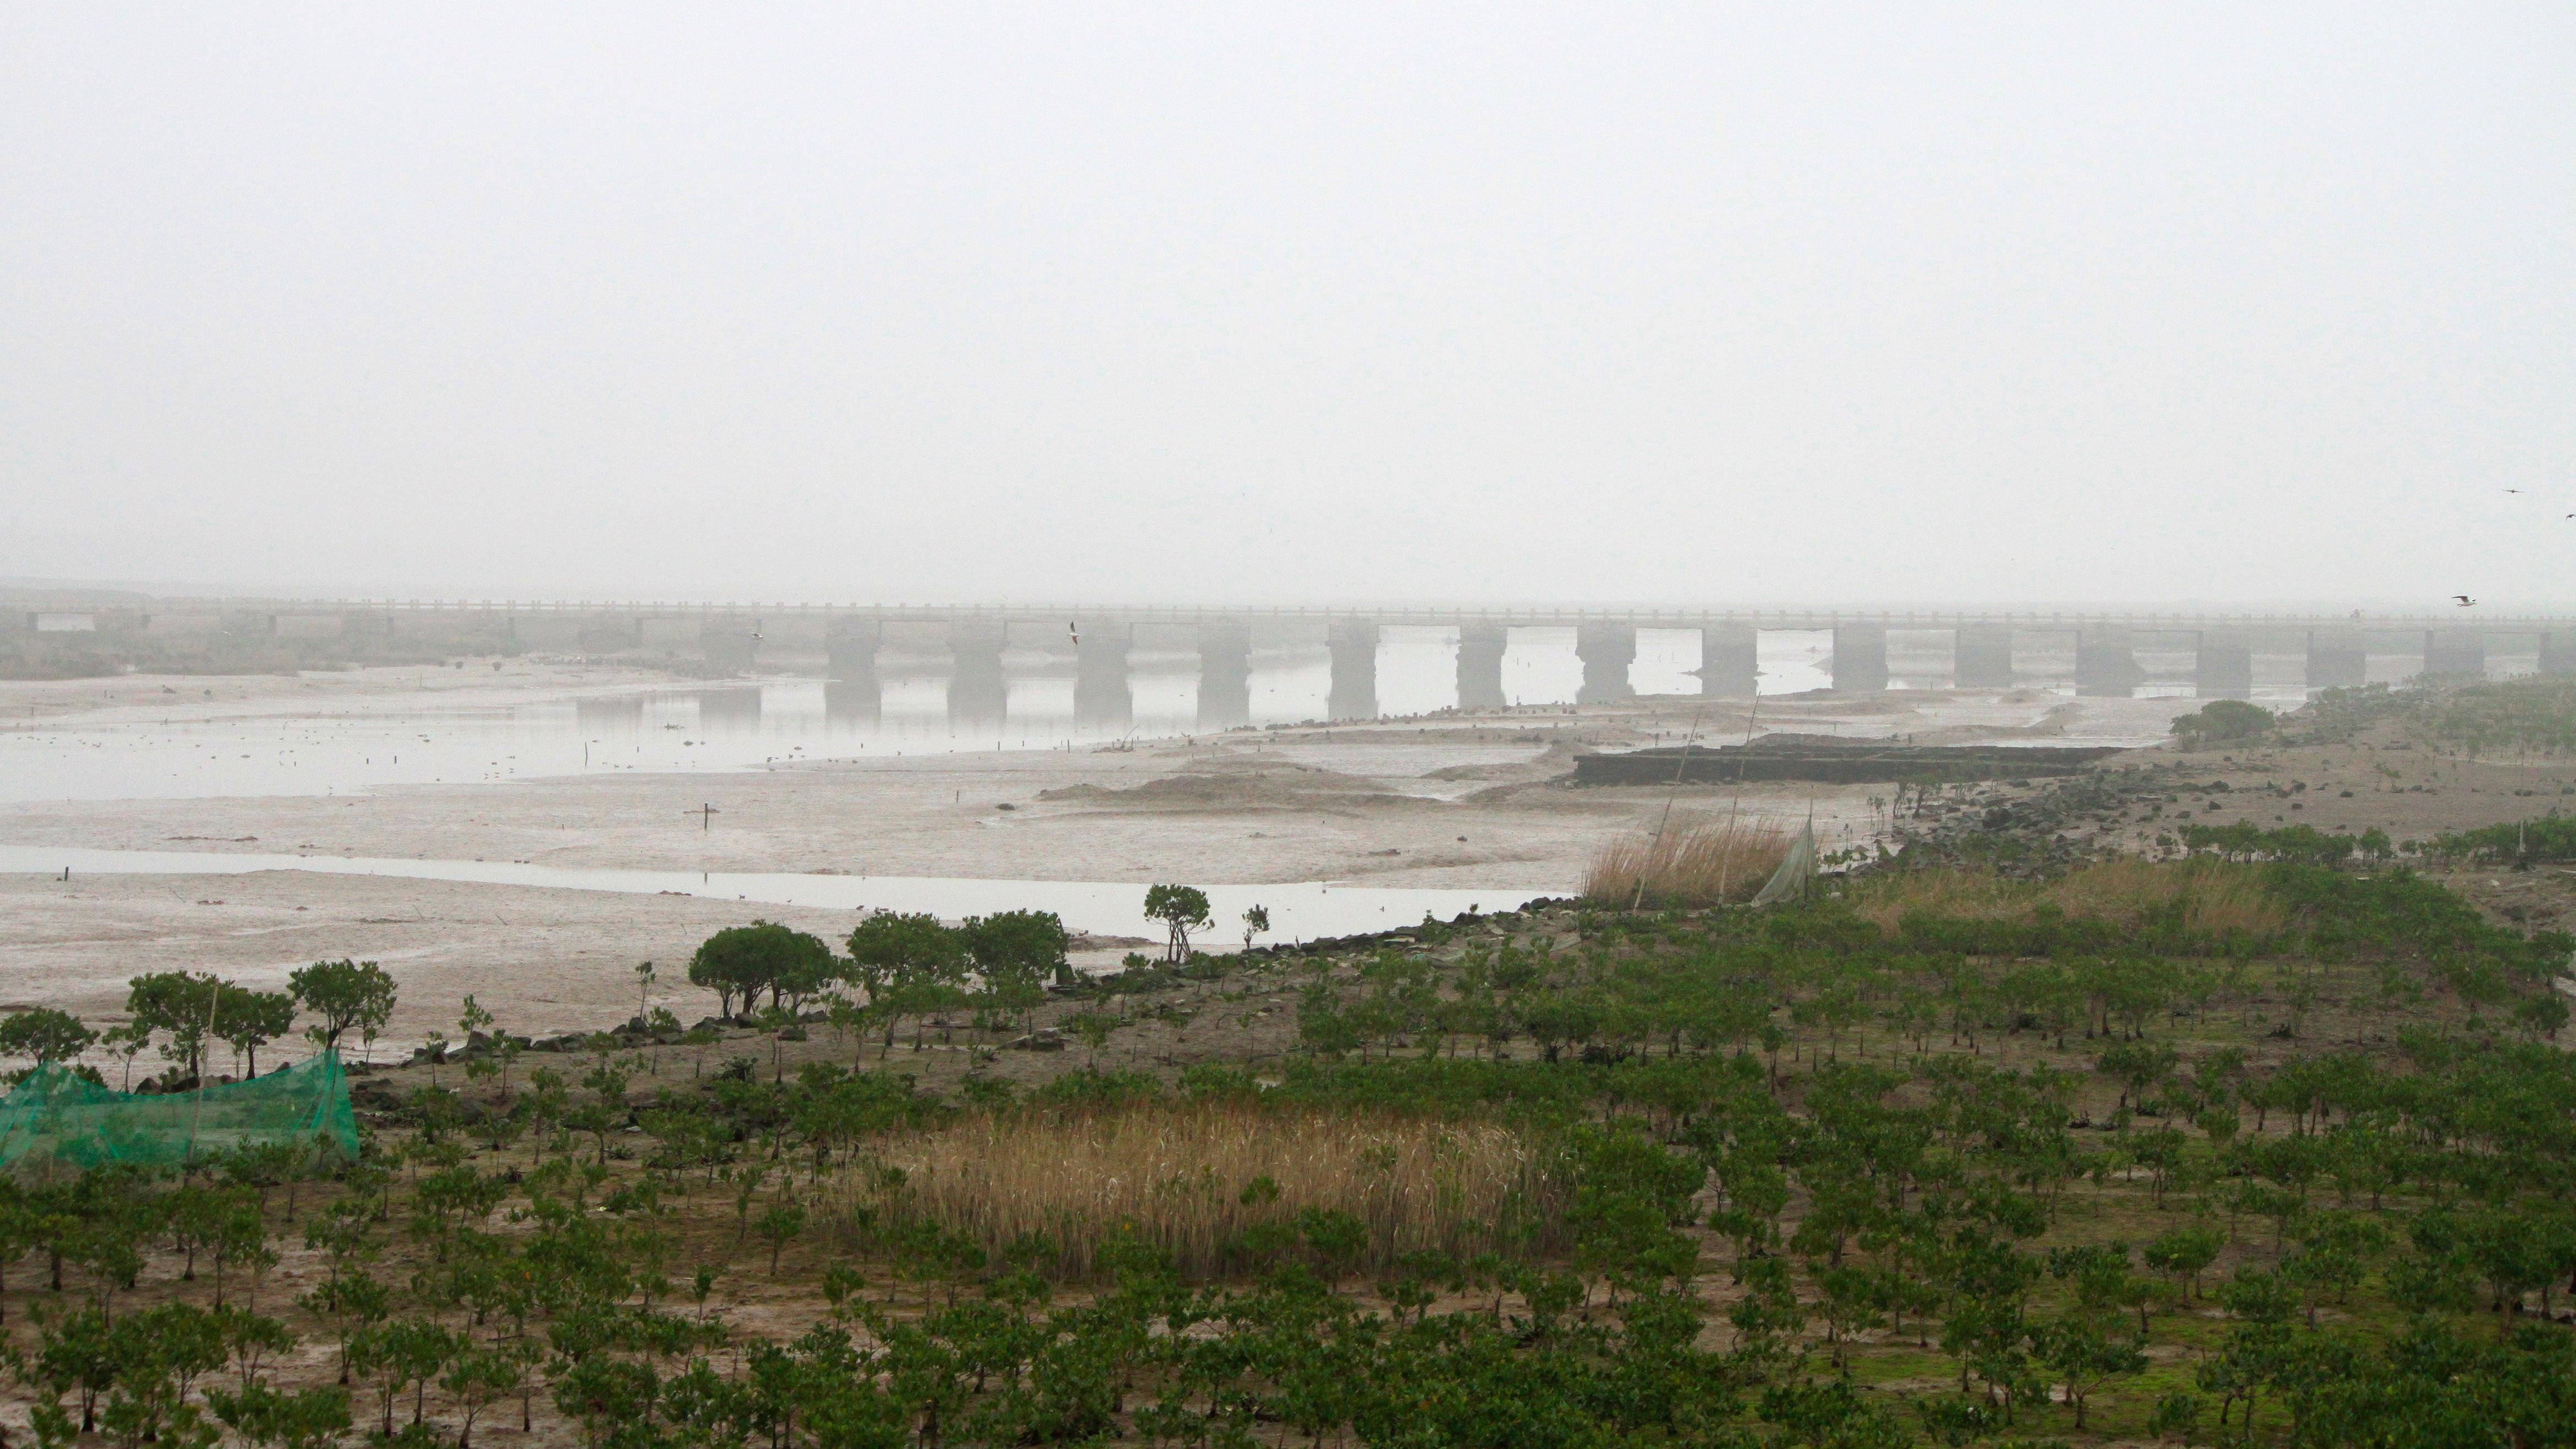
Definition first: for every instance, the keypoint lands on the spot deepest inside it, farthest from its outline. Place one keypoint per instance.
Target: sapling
(746, 1178)
(782, 1222)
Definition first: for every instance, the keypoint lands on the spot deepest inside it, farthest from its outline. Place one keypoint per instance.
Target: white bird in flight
(2465, 601)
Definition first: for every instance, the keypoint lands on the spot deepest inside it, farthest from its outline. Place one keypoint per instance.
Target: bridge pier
(1101, 698)
(977, 694)
(1225, 675)
(1981, 656)
(729, 642)
(1353, 643)
(1730, 661)
(320, 626)
(852, 691)
(1606, 651)
(2223, 665)
(527, 631)
(608, 634)
(178, 625)
(2337, 659)
(2558, 653)
(2106, 667)
(1860, 659)
(2455, 651)
(1480, 665)
(666, 632)
(850, 650)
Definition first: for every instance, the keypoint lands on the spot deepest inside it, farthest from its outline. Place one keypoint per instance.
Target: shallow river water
(1299, 911)
(365, 744)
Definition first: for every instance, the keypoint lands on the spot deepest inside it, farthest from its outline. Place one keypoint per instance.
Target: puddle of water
(1299, 910)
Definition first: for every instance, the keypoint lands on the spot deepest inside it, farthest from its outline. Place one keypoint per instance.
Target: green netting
(1796, 869)
(62, 1117)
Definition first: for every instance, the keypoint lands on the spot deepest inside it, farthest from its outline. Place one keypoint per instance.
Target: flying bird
(1076, 633)
(2465, 601)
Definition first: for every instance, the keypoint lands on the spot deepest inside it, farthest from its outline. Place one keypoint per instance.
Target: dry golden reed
(1177, 1174)
(1694, 861)
(2214, 896)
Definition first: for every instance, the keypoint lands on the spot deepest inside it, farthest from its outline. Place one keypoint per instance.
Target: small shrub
(2222, 721)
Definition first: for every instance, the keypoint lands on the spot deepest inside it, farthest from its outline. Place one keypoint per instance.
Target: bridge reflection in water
(1233, 673)
(1240, 666)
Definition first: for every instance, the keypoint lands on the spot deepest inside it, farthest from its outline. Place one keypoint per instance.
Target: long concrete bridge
(2337, 647)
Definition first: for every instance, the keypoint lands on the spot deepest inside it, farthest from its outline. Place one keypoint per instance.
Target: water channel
(366, 744)
(369, 744)
(1299, 911)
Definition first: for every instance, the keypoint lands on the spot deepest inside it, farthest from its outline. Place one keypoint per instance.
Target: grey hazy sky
(1320, 301)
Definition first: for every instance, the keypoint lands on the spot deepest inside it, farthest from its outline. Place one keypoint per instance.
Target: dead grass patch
(1694, 862)
(1193, 1178)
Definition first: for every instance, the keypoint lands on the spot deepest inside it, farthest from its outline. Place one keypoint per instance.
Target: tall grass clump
(1694, 861)
(1220, 1186)
(2206, 897)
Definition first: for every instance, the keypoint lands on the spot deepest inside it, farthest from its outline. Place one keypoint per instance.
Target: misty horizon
(1311, 306)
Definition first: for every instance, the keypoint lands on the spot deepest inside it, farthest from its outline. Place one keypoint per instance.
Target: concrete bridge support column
(1480, 665)
(527, 631)
(1353, 643)
(2223, 668)
(850, 649)
(1730, 661)
(1860, 658)
(851, 690)
(1225, 675)
(1606, 651)
(1981, 656)
(2558, 653)
(1101, 698)
(2105, 665)
(2455, 651)
(609, 634)
(2337, 659)
(310, 626)
(978, 697)
(730, 642)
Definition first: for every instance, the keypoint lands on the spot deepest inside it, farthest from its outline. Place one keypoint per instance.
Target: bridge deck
(1533, 616)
